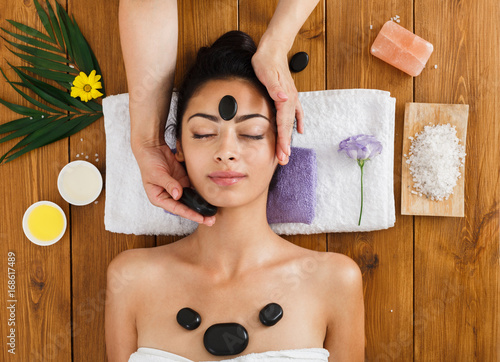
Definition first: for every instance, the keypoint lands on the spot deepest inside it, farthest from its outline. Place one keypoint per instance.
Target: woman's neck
(239, 241)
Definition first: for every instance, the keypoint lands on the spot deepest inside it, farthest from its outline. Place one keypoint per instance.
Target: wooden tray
(418, 115)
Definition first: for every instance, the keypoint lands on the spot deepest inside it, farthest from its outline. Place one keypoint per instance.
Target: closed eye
(198, 136)
(259, 137)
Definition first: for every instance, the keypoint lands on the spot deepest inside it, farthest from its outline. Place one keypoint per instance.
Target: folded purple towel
(292, 194)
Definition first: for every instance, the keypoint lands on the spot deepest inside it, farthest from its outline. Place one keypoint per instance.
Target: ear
(179, 155)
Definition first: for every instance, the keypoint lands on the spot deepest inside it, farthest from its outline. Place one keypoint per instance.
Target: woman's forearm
(286, 22)
(148, 33)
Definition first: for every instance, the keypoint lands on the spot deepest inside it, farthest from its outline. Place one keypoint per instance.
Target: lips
(226, 178)
(226, 174)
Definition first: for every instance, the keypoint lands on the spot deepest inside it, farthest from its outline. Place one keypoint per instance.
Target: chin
(225, 202)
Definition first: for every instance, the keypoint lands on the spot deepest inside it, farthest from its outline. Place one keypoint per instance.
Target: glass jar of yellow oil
(44, 223)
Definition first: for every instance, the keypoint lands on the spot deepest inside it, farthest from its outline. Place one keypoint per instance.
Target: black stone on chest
(226, 339)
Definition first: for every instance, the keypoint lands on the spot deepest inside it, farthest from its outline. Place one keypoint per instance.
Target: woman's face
(230, 163)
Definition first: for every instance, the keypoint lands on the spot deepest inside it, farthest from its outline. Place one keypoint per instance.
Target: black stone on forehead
(227, 107)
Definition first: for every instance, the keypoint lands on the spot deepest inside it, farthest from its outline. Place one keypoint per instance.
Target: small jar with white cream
(79, 183)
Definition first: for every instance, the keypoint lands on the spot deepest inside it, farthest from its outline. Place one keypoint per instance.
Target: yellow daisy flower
(86, 87)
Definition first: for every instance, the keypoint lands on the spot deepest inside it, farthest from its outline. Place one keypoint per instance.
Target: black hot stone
(188, 318)
(194, 201)
(271, 314)
(227, 107)
(225, 339)
(299, 61)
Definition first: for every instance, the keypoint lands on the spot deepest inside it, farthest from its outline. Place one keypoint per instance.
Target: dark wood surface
(431, 284)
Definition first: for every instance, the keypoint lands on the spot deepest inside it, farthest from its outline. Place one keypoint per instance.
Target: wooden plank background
(431, 284)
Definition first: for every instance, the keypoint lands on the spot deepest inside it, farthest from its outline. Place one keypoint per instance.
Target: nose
(228, 148)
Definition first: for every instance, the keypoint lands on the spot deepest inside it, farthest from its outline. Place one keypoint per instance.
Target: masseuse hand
(148, 31)
(162, 175)
(271, 67)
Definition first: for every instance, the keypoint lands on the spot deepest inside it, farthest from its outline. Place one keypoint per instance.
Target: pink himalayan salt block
(401, 48)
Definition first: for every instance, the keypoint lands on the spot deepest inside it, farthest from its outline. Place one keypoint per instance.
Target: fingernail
(282, 156)
(175, 193)
(289, 151)
(282, 95)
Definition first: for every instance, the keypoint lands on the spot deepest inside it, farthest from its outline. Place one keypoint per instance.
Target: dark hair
(228, 57)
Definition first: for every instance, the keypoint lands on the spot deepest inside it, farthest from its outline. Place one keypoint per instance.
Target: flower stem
(361, 163)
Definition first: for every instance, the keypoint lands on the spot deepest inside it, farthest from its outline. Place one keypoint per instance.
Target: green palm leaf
(28, 98)
(69, 47)
(18, 124)
(51, 132)
(55, 25)
(49, 55)
(88, 50)
(49, 74)
(44, 63)
(38, 52)
(44, 19)
(28, 129)
(66, 85)
(81, 52)
(44, 90)
(41, 137)
(83, 121)
(33, 41)
(59, 95)
(25, 111)
(96, 107)
(52, 94)
(30, 31)
(41, 131)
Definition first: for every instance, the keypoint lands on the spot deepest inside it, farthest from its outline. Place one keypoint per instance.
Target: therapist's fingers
(175, 207)
(163, 179)
(285, 115)
(299, 116)
(272, 70)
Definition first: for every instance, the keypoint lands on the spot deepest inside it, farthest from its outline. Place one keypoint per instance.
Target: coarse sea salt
(435, 160)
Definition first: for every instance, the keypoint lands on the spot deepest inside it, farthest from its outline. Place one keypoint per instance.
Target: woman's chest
(300, 297)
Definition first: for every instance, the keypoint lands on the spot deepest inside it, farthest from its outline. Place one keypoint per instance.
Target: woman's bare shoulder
(130, 259)
(342, 283)
(343, 271)
(336, 266)
(134, 264)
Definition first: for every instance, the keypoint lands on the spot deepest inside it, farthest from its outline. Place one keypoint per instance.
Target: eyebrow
(236, 120)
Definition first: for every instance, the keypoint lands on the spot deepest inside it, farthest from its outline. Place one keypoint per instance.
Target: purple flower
(361, 148)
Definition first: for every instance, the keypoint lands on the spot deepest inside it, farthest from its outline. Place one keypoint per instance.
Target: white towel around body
(298, 355)
(330, 117)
